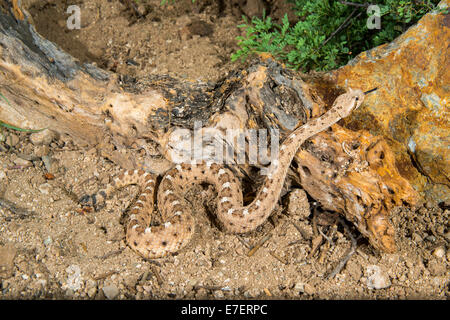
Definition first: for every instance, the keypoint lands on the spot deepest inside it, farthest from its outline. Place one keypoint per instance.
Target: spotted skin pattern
(178, 223)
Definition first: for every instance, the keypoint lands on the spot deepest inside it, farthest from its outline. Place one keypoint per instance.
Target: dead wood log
(350, 172)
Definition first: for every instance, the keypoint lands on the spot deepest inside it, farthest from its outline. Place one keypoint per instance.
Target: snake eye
(357, 98)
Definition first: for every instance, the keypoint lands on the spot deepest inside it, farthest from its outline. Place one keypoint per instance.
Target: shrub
(329, 32)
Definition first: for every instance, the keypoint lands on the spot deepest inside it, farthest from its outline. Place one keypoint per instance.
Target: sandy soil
(50, 248)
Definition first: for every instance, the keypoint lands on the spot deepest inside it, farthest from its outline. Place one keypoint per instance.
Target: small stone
(299, 287)
(430, 205)
(436, 267)
(7, 255)
(377, 279)
(45, 188)
(41, 150)
(43, 137)
(12, 140)
(147, 288)
(309, 289)
(22, 162)
(73, 277)
(298, 204)
(91, 292)
(439, 252)
(252, 293)
(218, 294)
(416, 237)
(111, 292)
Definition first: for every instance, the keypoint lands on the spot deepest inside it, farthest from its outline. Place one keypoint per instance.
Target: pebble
(22, 162)
(74, 277)
(45, 188)
(12, 140)
(218, 294)
(299, 287)
(309, 289)
(416, 237)
(91, 292)
(7, 255)
(43, 137)
(298, 204)
(439, 252)
(377, 279)
(252, 293)
(40, 151)
(430, 205)
(436, 267)
(111, 292)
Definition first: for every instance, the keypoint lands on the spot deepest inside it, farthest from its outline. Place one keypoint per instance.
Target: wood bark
(353, 173)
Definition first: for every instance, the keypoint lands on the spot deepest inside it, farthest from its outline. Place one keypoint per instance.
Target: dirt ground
(50, 248)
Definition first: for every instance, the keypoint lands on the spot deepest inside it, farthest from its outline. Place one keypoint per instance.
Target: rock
(252, 293)
(298, 204)
(12, 140)
(218, 294)
(7, 255)
(354, 270)
(299, 287)
(43, 137)
(309, 289)
(416, 237)
(45, 188)
(410, 108)
(439, 252)
(91, 288)
(111, 292)
(376, 278)
(41, 150)
(74, 277)
(22, 162)
(436, 267)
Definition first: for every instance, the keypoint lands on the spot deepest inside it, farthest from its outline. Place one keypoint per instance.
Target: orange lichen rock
(411, 109)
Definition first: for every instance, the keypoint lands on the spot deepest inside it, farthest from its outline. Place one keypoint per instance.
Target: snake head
(349, 101)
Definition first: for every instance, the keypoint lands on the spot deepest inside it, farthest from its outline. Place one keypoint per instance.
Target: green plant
(329, 32)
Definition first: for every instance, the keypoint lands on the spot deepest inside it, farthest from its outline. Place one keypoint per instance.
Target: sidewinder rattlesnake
(178, 223)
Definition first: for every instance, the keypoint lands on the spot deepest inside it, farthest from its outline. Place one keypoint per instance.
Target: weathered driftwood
(350, 172)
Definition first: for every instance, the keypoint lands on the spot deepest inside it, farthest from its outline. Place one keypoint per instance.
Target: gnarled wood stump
(350, 172)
